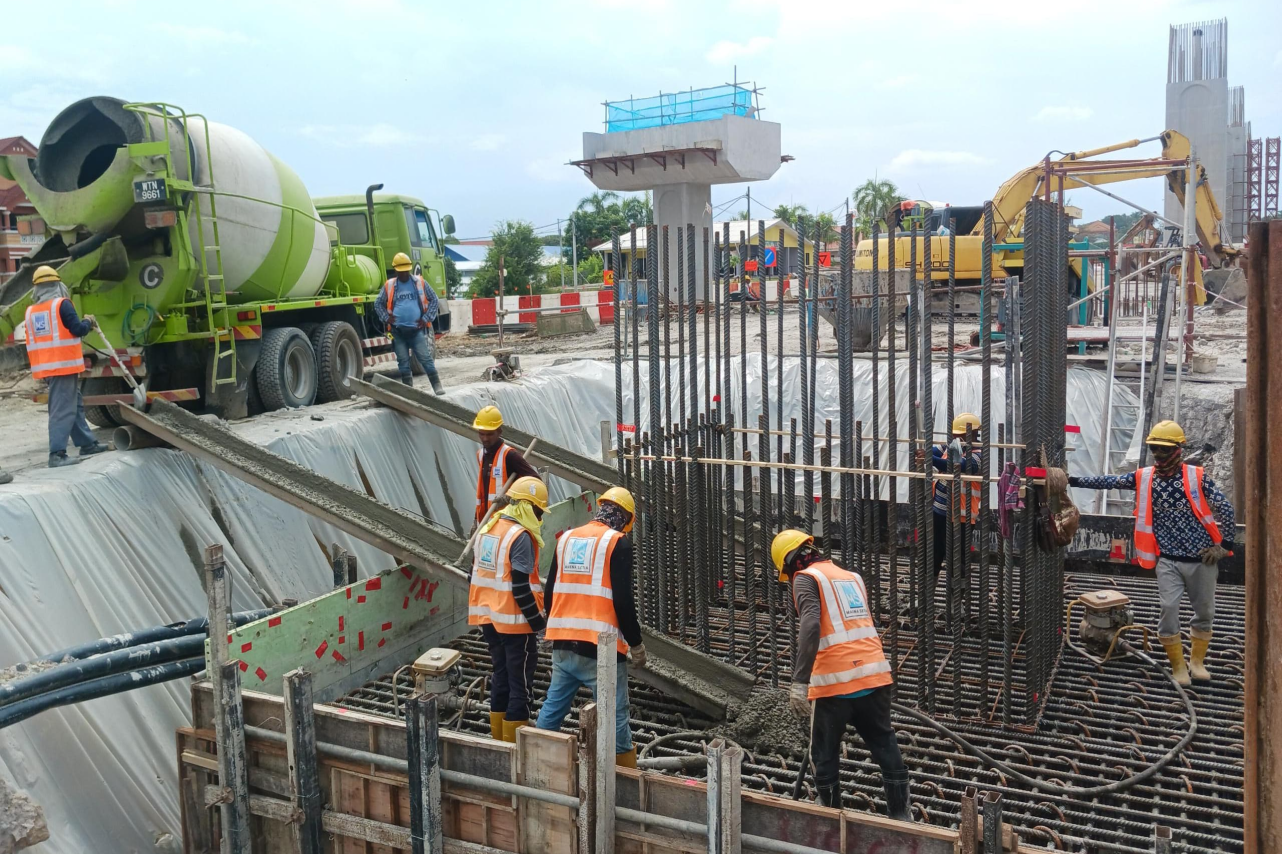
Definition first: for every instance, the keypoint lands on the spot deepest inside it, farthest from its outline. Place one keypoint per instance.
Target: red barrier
(605, 305)
(569, 302)
(484, 312)
(527, 302)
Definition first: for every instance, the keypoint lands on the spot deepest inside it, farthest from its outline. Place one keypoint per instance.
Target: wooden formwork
(366, 809)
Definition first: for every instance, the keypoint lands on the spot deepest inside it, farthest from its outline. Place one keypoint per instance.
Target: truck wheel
(103, 416)
(286, 369)
(339, 358)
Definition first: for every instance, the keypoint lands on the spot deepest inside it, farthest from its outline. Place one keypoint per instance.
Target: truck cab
(383, 224)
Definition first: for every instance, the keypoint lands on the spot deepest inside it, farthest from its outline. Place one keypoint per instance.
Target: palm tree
(872, 199)
(598, 201)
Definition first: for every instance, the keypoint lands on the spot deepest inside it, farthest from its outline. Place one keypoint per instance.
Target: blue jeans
(405, 341)
(569, 671)
(67, 415)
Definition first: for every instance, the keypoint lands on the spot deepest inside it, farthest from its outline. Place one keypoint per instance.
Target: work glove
(1074, 480)
(1211, 555)
(799, 700)
(638, 655)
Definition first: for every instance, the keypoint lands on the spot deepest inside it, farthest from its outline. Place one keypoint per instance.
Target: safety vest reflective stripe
(51, 348)
(486, 492)
(850, 656)
(490, 599)
(583, 598)
(1146, 549)
(852, 674)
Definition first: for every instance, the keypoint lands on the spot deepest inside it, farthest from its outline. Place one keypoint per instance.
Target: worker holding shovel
(53, 332)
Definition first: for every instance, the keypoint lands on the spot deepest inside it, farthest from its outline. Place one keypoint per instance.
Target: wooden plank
(300, 746)
(724, 820)
(605, 741)
(348, 796)
(424, 761)
(545, 760)
(587, 777)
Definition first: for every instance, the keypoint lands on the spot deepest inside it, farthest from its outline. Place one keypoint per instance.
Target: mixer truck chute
(205, 257)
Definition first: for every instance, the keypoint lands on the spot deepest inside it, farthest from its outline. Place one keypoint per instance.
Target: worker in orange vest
(1181, 522)
(407, 305)
(505, 598)
(497, 460)
(839, 668)
(589, 590)
(53, 332)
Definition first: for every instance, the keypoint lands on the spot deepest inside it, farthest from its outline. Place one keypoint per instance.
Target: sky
(478, 107)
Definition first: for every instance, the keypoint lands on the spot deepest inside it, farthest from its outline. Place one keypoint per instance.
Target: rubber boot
(57, 461)
(1175, 652)
(496, 725)
(407, 379)
(436, 383)
(830, 795)
(1197, 666)
(896, 786)
(510, 728)
(627, 759)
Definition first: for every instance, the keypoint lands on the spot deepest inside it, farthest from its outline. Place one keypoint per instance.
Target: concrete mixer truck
(208, 265)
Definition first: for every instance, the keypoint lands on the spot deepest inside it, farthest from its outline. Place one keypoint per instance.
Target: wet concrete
(22, 821)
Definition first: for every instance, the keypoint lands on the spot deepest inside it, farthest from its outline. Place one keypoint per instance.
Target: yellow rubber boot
(496, 725)
(627, 759)
(510, 728)
(1197, 666)
(1175, 652)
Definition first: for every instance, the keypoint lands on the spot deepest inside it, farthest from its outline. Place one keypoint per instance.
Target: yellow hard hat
(620, 496)
(45, 273)
(1166, 433)
(489, 418)
(401, 262)
(964, 422)
(529, 489)
(785, 543)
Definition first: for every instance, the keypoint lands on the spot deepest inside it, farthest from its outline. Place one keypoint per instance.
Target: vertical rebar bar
(985, 447)
(892, 453)
(618, 353)
(681, 327)
(845, 389)
(765, 531)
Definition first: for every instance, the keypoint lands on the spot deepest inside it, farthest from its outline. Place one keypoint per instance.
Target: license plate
(151, 190)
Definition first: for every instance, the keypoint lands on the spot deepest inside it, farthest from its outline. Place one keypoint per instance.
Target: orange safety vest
(51, 348)
(390, 286)
(487, 492)
(583, 603)
(969, 514)
(1146, 550)
(850, 656)
(489, 597)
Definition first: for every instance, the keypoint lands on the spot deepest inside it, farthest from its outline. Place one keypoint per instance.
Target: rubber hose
(199, 625)
(107, 685)
(120, 661)
(1042, 785)
(89, 244)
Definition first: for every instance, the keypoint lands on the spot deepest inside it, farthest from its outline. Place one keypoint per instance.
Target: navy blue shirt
(71, 320)
(969, 464)
(1178, 532)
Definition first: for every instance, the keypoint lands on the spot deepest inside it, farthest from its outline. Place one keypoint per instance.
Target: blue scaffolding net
(693, 105)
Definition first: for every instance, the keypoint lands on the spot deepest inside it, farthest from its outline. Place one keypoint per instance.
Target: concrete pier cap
(679, 163)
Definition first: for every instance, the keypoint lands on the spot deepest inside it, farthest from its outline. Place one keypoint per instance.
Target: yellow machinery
(1067, 173)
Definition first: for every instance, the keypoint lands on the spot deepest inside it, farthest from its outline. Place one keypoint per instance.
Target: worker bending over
(53, 347)
(1176, 510)
(497, 460)
(505, 599)
(406, 306)
(589, 591)
(959, 456)
(839, 665)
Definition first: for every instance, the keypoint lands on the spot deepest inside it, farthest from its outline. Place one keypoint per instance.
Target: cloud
(899, 82)
(370, 136)
(488, 142)
(206, 36)
(1063, 114)
(726, 52)
(917, 157)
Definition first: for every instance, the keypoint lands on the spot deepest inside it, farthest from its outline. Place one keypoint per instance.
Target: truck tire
(339, 358)
(103, 416)
(286, 371)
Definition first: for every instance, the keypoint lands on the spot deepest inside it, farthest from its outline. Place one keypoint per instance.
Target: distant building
(22, 230)
(469, 257)
(789, 262)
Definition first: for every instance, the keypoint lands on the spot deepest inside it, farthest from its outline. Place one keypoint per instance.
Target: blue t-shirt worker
(406, 306)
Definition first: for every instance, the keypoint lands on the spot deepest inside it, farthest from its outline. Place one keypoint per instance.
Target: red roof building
(22, 231)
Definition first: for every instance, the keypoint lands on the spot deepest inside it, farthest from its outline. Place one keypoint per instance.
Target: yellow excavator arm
(1013, 195)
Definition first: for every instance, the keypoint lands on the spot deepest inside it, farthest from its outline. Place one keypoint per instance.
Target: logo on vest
(850, 600)
(488, 553)
(578, 552)
(41, 323)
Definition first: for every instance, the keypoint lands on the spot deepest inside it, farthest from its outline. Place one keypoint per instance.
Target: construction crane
(1069, 172)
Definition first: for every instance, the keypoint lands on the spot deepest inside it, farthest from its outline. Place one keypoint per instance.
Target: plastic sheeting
(1087, 391)
(116, 544)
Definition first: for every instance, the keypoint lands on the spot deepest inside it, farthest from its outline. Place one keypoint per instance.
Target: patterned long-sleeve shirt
(968, 464)
(1179, 534)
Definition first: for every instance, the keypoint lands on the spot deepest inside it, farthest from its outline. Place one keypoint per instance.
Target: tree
(598, 214)
(591, 269)
(453, 281)
(522, 254)
(1122, 222)
(873, 198)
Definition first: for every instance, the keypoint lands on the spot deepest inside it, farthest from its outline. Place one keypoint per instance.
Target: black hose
(89, 244)
(200, 625)
(1071, 791)
(114, 684)
(119, 661)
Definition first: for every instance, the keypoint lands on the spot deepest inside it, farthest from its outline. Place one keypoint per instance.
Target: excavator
(1008, 217)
